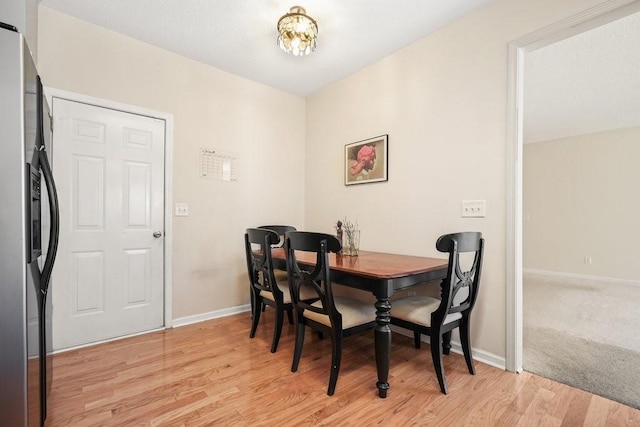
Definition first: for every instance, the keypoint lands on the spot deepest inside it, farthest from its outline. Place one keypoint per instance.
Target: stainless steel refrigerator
(28, 236)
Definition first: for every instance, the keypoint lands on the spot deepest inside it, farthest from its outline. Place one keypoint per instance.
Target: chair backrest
(459, 289)
(281, 230)
(314, 278)
(259, 261)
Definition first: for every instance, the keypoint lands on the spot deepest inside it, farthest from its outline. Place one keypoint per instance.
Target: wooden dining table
(382, 274)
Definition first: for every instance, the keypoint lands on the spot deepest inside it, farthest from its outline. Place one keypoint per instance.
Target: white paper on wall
(218, 165)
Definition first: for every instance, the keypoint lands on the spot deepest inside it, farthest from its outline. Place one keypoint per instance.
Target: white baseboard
(188, 320)
(479, 355)
(581, 276)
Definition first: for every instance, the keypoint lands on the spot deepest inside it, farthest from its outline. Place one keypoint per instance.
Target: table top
(375, 265)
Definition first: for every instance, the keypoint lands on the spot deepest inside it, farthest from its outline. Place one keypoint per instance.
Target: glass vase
(351, 243)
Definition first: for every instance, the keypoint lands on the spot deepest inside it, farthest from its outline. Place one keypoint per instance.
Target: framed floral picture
(366, 161)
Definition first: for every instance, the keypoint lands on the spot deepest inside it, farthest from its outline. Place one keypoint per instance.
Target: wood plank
(211, 373)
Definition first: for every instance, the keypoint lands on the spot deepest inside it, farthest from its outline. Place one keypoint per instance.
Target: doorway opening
(590, 19)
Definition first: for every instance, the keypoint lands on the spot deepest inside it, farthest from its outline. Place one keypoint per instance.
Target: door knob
(157, 234)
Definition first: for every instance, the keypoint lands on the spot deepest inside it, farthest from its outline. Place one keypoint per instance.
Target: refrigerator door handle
(54, 232)
(55, 221)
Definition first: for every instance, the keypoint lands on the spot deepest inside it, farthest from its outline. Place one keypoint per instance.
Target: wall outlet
(474, 208)
(588, 260)
(182, 209)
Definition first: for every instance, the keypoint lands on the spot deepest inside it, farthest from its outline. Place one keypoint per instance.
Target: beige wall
(581, 199)
(211, 108)
(443, 102)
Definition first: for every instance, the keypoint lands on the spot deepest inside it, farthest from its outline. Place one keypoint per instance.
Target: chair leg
(277, 330)
(446, 343)
(416, 339)
(436, 355)
(336, 356)
(466, 344)
(252, 302)
(256, 317)
(297, 350)
(290, 316)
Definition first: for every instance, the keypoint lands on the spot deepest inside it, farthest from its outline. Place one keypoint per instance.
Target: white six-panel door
(109, 171)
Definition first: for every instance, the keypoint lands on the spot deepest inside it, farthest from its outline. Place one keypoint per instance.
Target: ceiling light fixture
(297, 32)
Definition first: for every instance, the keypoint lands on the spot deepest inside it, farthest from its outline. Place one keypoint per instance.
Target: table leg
(382, 340)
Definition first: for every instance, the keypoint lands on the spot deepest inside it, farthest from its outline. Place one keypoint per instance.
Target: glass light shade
(297, 32)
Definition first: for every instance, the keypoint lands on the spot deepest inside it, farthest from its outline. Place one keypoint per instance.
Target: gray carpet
(585, 334)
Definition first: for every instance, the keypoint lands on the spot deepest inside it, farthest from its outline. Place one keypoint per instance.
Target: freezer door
(20, 374)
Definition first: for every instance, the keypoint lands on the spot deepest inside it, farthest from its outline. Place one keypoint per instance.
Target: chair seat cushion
(280, 275)
(417, 309)
(354, 312)
(305, 293)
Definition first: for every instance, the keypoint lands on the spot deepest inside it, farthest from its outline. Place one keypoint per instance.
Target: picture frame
(366, 161)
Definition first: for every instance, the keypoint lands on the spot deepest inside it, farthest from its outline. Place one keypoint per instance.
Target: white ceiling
(239, 36)
(584, 84)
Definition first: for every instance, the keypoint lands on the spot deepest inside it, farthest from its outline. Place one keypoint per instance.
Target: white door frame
(168, 178)
(584, 21)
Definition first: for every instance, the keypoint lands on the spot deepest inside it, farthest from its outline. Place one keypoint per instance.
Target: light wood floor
(211, 373)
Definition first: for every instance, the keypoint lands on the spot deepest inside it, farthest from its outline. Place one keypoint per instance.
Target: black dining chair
(336, 316)
(281, 275)
(281, 230)
(438, 317)
(265, 289)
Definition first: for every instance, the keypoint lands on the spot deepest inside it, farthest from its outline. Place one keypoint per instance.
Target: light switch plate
(474, 208)
(182, 209)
